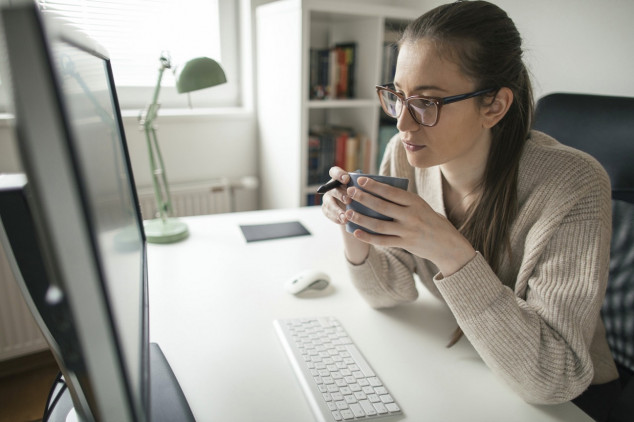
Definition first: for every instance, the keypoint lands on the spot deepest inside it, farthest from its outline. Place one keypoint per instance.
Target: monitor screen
(83, 209)
(97, 141)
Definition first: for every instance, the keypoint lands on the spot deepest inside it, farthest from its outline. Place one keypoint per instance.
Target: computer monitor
(73, 225)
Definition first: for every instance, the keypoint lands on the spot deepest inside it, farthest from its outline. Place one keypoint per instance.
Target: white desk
(213, 298)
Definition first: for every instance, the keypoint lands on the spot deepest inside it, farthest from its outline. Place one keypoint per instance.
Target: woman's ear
(493, 112)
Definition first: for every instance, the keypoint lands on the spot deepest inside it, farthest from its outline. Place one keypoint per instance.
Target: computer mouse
(308, 280)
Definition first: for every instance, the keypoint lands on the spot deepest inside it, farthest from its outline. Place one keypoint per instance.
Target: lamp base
(169, 231)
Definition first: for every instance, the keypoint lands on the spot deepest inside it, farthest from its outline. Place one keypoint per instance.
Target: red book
(340, 149)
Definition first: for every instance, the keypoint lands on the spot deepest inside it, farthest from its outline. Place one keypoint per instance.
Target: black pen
(334, 183)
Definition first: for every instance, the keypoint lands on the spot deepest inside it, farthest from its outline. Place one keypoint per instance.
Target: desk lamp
(198, 73)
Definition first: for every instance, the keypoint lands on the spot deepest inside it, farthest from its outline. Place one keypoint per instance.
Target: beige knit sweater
(536, 323)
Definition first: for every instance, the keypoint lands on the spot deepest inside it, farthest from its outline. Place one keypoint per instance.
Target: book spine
(352, 154)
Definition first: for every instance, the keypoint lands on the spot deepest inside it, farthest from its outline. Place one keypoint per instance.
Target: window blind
(136, 32)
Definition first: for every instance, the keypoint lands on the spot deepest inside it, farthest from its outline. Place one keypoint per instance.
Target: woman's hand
(334, 201)
(334, 207)
(416, 227)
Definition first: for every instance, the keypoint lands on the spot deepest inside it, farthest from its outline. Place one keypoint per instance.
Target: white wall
(571, 45)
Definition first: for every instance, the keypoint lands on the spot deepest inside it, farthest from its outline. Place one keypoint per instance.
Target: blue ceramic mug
(398, 182)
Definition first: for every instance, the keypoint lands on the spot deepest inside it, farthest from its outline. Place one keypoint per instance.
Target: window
(137, 32)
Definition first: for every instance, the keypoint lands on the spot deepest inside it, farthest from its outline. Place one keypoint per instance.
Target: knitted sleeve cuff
(381, 284)
(474, 287)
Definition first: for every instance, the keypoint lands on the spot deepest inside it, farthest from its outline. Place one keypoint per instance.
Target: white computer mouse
(308, 280)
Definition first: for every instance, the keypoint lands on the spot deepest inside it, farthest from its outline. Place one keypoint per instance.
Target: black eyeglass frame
(436, 100)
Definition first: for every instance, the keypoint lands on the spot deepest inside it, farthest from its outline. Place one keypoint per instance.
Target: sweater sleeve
(538, 337)
(386, 278)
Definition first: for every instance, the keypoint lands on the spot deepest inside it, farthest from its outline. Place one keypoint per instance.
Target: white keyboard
(337, 380)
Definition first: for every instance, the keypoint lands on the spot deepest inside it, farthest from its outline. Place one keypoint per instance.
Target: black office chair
(603, 126)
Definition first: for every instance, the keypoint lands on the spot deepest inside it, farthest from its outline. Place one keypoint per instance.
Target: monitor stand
(167, 401)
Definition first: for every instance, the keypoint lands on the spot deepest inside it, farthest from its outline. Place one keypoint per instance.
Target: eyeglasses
(424, 110)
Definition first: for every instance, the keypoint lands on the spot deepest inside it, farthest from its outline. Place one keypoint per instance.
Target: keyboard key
(367, 407)
(386, 398)
(392, 407)
(356, 409)
(375, 382)
(341, 405)
(347, 414)
(380, 408)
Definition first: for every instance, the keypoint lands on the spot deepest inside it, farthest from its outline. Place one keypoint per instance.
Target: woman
(510, 228)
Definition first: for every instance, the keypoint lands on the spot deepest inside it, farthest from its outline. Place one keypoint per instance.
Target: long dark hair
(484, 42)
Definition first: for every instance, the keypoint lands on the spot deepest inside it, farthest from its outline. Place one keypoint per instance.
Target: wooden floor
(24, 386)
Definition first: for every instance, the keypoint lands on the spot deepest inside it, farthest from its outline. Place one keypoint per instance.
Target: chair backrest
(603, 127)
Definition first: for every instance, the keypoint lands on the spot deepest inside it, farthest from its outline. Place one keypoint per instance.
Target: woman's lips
(412, 147)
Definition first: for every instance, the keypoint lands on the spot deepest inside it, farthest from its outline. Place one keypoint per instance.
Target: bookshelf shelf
(300, 137)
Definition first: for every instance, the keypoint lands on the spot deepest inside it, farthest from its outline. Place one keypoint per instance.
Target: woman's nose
(406, 123)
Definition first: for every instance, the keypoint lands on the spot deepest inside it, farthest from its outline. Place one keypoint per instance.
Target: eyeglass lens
(425, 112)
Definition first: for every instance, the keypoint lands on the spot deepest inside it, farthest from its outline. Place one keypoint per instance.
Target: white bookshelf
(285, 32)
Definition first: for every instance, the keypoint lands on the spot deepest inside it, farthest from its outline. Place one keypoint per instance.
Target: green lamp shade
(199, 73)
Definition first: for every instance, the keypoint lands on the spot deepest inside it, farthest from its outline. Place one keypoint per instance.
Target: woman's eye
(422, 103)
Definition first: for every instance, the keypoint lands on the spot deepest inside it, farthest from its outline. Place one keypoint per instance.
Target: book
(351, 159)
(341, 139)
(346, 55)
(334, 145)
(332, 71)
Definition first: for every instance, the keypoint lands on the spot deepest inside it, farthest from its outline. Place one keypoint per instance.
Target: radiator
(19, 334)
(191, 199)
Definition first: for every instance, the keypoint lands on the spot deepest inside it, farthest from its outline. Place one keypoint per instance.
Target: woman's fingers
(374, 224)
(391, 193)
(337, 173)
(339, 193)
(334, 201)
(332, 210)
(379, 197)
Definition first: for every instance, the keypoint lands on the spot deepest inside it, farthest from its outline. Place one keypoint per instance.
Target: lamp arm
(159, 176)
(152, 109)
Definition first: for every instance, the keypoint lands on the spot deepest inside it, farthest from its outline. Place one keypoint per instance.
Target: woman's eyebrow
(423, 88)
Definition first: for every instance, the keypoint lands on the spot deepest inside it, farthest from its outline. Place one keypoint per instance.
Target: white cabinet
(286, 31)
